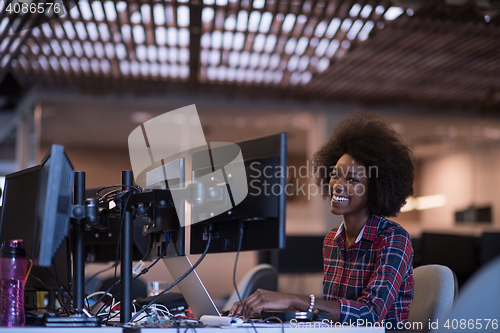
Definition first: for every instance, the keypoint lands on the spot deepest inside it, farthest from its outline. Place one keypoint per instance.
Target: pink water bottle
(12, 279)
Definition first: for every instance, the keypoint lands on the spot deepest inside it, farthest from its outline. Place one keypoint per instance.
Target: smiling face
(349, 189)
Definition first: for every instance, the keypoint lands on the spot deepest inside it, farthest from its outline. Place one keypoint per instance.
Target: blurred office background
(431, 68)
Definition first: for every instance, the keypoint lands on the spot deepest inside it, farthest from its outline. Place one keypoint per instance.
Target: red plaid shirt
(373, 279)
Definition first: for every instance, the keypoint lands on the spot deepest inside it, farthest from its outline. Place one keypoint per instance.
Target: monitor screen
(262, 212)
(163, 213)
(18, 222)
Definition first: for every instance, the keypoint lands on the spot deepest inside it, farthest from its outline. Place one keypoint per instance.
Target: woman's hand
(262, 300)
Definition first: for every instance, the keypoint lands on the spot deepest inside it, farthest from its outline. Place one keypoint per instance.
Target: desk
(261, 328)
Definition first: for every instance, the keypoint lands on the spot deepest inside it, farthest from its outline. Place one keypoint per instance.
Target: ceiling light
(183, 16)
(253, 22)
(290, 45)
(333, 27)
(410, 205)
(85, 9)
(355, 10)
(265, 22)
(363, 34)
(355, 28)
(241, 22)
(146, 13)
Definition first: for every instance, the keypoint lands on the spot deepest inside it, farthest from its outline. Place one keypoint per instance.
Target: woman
(368, 275)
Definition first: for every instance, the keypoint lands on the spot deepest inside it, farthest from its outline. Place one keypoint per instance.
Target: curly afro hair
(374, 144)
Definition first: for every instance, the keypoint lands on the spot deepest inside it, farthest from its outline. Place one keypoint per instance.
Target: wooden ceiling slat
(105, 77)
(440, 55)
(195, 13)
(122, 38)
(249, 40)
(175, 8)
(87, 41)
(224, 54)
(147, 42)
(152, 28)
(115, 67)
(239, 8)
(67, 78)
(131, 45)
(347, 73)
(25, 22)
(167, 23)
(317, 82)
(276, 29)
(31, 74)
(296, 9)
(321, 16)
(210, 31)
(3, 13)
(81, 74)
(300, 32)
(91, 74)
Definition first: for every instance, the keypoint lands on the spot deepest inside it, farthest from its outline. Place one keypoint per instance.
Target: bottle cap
(13, 248)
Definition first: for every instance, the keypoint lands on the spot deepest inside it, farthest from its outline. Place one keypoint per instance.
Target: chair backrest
(478, 304)
(263, 276)
(434, 290)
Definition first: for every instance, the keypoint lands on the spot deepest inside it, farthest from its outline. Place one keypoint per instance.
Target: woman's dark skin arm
(264, 299)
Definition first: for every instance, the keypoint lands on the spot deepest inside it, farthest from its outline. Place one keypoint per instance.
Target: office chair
(435, 287)
(263, 276)
(478, 304)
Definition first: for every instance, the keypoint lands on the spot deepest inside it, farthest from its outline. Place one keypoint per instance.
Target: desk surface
(269, 329)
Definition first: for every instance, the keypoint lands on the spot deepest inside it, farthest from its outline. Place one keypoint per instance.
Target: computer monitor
(163, 212)
(18, 222)
(102, 240)
(53, 205)
(262, 212)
